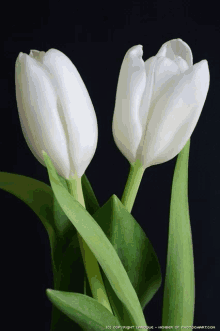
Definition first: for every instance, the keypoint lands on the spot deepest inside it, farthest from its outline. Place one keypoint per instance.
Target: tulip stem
(132, 185)
(90, 263)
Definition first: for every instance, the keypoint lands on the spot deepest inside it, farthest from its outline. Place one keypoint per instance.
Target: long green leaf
(134, 250)
(38, 196)
(62, 234)
(99, 244)
(179, 291)
(85, 311)
(64, 228)
(70, 258)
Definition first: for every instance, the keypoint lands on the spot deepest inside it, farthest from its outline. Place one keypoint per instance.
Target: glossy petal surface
(39, 117)
(75, 107)
(127, 129)
(55, 111)
(175, 114)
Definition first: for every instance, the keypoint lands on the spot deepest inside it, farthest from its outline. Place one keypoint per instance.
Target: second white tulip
(158, 102)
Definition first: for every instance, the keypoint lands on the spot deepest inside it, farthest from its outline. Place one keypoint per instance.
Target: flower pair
(158, 104)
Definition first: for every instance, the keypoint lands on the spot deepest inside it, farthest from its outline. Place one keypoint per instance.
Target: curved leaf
(62, 222)
(134, 249)
(38, 196)
(85, 311)
(41, 199)
(99, 244)
(64, 227)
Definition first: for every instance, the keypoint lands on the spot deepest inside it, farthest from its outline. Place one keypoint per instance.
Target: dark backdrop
(96, 36)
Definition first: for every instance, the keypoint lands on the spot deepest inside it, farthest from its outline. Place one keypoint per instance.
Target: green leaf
(91, 202)
(178, 303)
(63, 225)
(69, 277)
(70, 258)
(99, 245)
(71, 261)
(38, 196)
(68, 231)
(118, 308)
(133, 248)
(85, 311)
(65, 231)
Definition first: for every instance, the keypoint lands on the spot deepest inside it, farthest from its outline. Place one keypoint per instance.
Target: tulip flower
(57, 116)
(55, 111)
(158, 102)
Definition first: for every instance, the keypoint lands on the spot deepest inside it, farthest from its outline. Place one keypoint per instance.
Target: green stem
(132, 185)
(90, 262)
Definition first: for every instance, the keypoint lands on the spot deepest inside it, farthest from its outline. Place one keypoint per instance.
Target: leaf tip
(44, 154)
(114, 198)
(49, 292)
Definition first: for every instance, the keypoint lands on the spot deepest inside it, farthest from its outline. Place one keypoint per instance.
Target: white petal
(176, 47)
(176, 114)
(159, 70)
(37, 106)
(37, 55)
(182, 64)
(127, 129)
(150, 65)
(164, 71)
(77, 109)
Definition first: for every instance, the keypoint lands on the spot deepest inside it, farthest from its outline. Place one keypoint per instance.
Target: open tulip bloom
(104, 266)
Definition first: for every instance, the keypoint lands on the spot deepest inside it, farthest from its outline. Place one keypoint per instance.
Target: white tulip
(55, 111)
(158, 102)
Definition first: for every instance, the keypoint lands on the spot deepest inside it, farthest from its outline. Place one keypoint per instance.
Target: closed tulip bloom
(158, 102)
(55, 111)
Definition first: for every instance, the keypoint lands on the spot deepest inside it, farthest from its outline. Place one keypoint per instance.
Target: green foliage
(101, 247)
(85, 311)
(179, 297)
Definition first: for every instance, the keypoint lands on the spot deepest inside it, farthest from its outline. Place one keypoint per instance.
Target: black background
(96, 36)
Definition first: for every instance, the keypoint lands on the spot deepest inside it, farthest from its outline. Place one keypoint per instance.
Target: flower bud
(158, 102)
(55, 111)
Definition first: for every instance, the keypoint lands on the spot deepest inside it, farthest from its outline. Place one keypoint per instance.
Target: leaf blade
(38, 196)
(133, 248)
(99, 245)
(85, 311)
(179, 290)
(91, 201)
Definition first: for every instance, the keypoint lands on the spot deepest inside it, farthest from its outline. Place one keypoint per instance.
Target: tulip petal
(176, 47)
(37, 55)
(76, 106)
(175, 114)
(160, 72)
(127, 129)
(37, 106)
(150, 65)
(165, 69)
